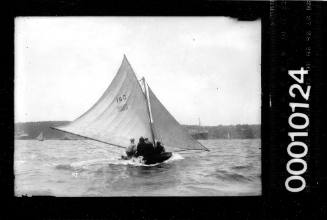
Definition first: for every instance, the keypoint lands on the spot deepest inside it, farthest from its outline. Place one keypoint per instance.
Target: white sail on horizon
(40, 137)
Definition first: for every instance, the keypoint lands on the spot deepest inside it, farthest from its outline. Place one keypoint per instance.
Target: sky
(198, 67)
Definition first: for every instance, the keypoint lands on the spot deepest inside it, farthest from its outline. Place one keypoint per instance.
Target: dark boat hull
(159, 158)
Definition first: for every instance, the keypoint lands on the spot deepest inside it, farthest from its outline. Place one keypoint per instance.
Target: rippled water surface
(84, 168)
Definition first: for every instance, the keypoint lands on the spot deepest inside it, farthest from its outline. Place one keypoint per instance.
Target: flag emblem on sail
(123, 112)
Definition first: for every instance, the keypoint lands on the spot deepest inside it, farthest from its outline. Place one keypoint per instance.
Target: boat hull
(159, 158)
(153, 159)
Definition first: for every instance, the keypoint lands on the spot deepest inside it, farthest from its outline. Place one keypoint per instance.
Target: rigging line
(192, 149)
(88, 143)
(89, 138)
(206, 149)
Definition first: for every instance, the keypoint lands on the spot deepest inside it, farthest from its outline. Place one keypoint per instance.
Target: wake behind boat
(128, 110)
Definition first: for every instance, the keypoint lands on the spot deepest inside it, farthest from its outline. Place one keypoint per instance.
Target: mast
(149, 109)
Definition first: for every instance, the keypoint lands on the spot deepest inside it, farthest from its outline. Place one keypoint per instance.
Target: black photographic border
(278, 54)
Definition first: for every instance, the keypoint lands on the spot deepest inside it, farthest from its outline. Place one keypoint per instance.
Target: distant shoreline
(30, 130)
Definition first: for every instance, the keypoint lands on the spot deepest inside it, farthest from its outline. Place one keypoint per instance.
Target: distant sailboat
(40, 137)
(128, 109)
(199, 133)
(21, 135)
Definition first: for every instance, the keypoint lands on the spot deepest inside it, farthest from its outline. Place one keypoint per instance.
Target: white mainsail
(120, 114)
(123, 113)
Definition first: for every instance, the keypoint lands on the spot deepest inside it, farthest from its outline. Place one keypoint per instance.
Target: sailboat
(21, 135)
(40, 137)
(129, 109)
(200, 133)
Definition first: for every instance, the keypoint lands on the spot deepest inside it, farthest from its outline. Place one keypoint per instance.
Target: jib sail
(168, 130)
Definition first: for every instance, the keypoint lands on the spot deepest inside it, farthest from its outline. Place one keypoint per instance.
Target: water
(80, 168)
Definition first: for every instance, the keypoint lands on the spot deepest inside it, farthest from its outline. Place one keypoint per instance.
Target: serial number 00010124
(298, 121)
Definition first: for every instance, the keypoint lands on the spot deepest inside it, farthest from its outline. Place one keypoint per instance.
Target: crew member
(159, 148)
(149, 147)
(131, 150)
(140, 147)
(144, 147)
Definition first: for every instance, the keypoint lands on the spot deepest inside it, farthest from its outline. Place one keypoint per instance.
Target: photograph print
(137, 106)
